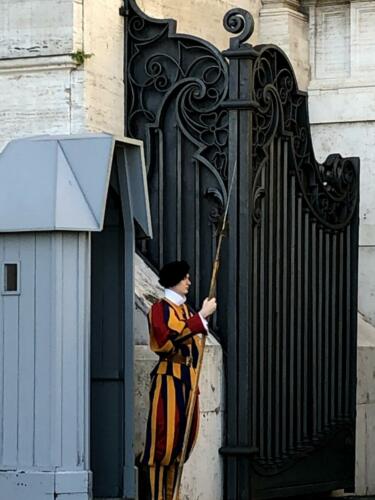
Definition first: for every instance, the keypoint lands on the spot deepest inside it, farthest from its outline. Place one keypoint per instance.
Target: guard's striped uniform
(172, 330)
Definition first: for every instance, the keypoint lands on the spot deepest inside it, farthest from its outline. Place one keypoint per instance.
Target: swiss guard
(173, 329)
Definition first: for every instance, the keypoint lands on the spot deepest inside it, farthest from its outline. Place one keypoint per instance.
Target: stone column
(284, 23)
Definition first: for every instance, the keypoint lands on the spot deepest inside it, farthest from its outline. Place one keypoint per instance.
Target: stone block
(38, 102)
(366, 285)
(366, 365)
(365, 450)
(203, 476)
(370, 449)
(366, 375)
(36, 27)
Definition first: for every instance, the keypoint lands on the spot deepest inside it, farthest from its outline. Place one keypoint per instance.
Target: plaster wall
(203, 18)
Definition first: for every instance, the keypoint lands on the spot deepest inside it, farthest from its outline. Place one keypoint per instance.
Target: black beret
(173, 272)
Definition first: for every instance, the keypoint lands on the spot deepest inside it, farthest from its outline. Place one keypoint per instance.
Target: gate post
(240, 103)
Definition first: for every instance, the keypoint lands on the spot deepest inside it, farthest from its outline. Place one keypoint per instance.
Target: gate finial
(239, 21)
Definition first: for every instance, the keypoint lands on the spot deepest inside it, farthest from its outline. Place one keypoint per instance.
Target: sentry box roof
(60, 183)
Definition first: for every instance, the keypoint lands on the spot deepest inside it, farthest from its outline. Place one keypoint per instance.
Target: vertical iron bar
(299, 332)
(256, 365)
(179, 203)
(307, 347)
(292, 222)
(262, 293)
(354, 241)
(314, 345)
(340, 351)
(333, 327)
(197, 194)
(278, 316)
(348, 294)
(161, 199)
(327, 257)
(270, 291)
(320, 334)
(285, 323)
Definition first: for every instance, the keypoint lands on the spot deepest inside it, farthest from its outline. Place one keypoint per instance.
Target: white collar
(174, 297)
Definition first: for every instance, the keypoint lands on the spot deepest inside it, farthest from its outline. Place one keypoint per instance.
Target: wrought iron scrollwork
(303, 231)
(176, 86)
(241, 23)
(329, 189)
(163, 63)
(289, 280)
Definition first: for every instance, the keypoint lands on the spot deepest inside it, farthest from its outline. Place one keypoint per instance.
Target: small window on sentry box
(11, 277)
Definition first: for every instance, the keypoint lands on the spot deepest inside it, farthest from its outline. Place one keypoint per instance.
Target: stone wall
(285, 23)
(48, 91)
(342, 114)
(203, 18)
(365, 437)
(342, 110)
(42, 83)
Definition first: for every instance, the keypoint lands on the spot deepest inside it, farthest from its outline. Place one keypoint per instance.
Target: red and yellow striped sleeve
(167, 328)
(185, 328)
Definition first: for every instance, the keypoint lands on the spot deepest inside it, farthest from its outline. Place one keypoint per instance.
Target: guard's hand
(208, 307)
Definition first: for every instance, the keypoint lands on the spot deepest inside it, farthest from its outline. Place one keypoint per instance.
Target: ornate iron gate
(288, 283)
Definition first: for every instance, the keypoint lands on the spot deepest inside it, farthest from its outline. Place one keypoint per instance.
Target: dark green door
(107, 359)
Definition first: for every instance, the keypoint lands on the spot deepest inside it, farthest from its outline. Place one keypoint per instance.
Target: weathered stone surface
(147, 287)
(36, 27)
(365, 428)
(147, 291)
(104, 88)
(42, 101)
(365, 363)
(203, 18)
(365, 446)
(283, 23)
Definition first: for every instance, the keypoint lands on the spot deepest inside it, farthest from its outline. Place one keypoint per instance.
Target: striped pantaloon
(169, 396)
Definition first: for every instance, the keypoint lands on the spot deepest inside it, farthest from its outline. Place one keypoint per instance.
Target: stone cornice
(280, 11)
(291, 4)
(281, 7)
(38, 63)
(312, 3)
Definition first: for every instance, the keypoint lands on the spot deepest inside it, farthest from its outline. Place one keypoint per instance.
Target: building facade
(61, 70)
